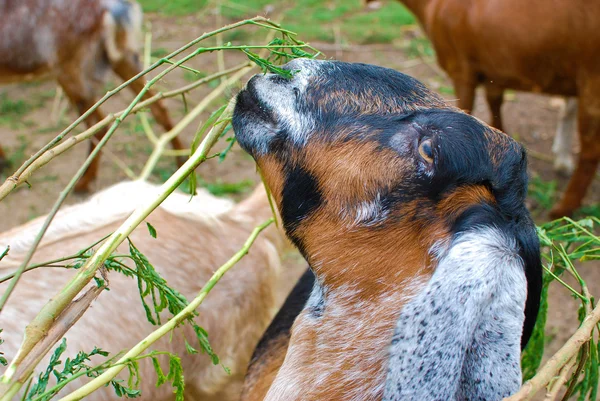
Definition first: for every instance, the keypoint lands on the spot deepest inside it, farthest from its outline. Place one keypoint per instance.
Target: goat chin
(194, 238)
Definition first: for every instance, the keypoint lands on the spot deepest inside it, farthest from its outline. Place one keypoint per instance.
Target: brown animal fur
(75, 42)
(186, 252)
(495, 44)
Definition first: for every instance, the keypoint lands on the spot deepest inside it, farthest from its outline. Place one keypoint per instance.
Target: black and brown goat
(77, 43)
(411, 215)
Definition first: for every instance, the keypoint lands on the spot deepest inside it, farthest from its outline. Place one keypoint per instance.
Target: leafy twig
(109, 374)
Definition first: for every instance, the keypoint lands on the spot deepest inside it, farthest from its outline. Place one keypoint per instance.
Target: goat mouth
(250, 105)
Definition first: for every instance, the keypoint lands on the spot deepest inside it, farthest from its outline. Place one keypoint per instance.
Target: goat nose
(278, 79)
(252, 82)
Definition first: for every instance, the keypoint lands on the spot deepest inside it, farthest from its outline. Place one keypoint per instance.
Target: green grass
(15, 108)
(545, 194)
(173, 7)
(311, 19)
(12, 112)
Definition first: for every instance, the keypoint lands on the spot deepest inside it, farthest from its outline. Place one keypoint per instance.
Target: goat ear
(525, 233)
(522, 231)
(473, 305)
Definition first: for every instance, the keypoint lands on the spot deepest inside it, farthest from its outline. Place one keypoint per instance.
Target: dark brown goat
(76, 42)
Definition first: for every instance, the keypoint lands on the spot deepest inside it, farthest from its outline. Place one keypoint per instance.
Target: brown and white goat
(412, 217)
(75, 42)
(536, 46)
(194, 238)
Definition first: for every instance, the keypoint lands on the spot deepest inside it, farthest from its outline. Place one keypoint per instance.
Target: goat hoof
(564, 167)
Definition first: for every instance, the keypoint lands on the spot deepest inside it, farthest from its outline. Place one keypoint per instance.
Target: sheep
(412, 217)
(76, 43)
(193, 239)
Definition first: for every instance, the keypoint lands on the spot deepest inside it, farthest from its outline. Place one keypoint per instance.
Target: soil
(529, 117)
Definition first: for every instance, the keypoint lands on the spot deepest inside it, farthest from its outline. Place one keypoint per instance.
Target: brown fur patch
(262, 372)
(463, 198)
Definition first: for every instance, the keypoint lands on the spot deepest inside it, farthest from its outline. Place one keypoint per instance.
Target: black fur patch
(283, 321)
(300, 197)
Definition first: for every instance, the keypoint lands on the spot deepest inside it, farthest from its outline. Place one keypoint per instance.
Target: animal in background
(77, 43)
(533, 46)
(563, 140)
(412, 216)
(194, 238)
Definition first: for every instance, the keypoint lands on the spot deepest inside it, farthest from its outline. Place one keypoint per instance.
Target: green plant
(155, 294)
(565, 242)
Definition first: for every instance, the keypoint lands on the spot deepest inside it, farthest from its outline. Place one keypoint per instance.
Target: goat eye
(296, 92)
(426, 151)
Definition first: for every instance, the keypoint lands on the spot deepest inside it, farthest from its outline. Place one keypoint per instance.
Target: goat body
(193, 240)
(412, 216)
(539, 46)
(75, 42)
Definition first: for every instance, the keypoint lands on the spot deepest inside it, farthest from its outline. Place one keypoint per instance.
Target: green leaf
(176, 377)
(190, 350)
(196, 142)
(161, 378)
(151, 230)
(40, 386)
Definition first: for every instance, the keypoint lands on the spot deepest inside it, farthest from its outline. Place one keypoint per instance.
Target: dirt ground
(531, 118)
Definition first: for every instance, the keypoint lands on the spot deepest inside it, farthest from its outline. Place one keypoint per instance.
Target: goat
(193, 240)
(412, 216)
(494, 44)
(76, 43)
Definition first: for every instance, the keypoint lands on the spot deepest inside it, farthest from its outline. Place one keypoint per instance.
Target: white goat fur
(563, 140)
(193, 240)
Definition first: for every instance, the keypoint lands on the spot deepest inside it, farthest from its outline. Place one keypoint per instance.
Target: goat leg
(589, 135)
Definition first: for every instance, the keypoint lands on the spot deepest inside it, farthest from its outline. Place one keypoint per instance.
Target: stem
(14, 182)
(4, 253)
(267, 24)
(41, 324)
(65, 192)
(64, 322)
(185, 121)
(79, 254)
(140, 347)
(555, 387)
(558, 360)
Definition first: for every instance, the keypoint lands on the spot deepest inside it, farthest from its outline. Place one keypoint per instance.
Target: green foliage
(312, 19)
(173, 7)
(197, 140)
(543, 193)
(151, 230)
(45, 387)
(532, 355)
(3, 360)
(71, 369)
(565, 242)
(318, 20)
(420, 47)
(152, 285)
(221, 188)
(175, 375)
(15, 108)
(280, 52)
